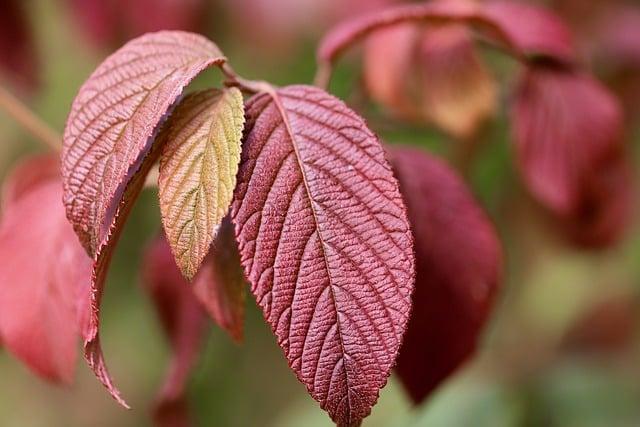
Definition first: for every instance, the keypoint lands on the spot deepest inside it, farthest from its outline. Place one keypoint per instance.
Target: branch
(18, 111)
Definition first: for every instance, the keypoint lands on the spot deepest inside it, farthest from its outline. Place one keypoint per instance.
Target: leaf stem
(17, 110)
(249, 86)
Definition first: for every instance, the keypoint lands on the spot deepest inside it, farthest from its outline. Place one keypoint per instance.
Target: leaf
(198, 167)
(44, 274)
(432, 75)
(533, 30)
(220, 283)
(568, 133)
(458, 269)
(521, 30)
(325, 244)
(18, 56)
(184, 322)
(108, 146)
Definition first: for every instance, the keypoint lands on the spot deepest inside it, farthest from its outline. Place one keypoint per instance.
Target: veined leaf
(108, 146)
(458, 269)
(114, 118)
(220, 283)
(198, 167)
(45, 273)
(325, 243)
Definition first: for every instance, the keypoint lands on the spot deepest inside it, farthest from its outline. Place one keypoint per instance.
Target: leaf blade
(321, 282)
(220, 283)
(108, 148)
(44, 275)
(198, 166)
(458, 271)
(102, 147)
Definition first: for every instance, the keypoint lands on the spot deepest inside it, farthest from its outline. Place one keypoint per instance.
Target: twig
(28, 120)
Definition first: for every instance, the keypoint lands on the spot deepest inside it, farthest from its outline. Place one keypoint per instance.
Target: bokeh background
(561, 349)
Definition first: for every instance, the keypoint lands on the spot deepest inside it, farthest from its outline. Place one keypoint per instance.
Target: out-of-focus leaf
(523, 30)
(18, 56)
(568, 136)
(325, 243)
(458, 264)
(184, 322)
(108, 146)
(220, 283)
(534, 30)
(45, 273)
(606, 326)
(198, 167)
(433, 75)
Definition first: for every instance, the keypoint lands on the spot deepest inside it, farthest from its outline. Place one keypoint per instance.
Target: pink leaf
(433, 75)
(458, 264)
(18, 57)
(108, 142)
(532, 29)
(45, 272)
(568, 135)
(325, 244)
(184, 322)
(534, 33)
(220, 283)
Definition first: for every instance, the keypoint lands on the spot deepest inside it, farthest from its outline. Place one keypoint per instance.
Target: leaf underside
(198, 167)
(325, 244)
(458, 270)
(108, 146)
(220, 284)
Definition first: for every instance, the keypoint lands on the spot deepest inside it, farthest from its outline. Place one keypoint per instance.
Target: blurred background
(563, 345)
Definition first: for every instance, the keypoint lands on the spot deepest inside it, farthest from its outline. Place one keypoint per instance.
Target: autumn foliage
(364, 257)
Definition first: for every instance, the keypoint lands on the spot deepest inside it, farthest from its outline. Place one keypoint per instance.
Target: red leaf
(433, 75)
(18, 57)
(537, 33)
(568, 135)
(108, 142)
(325, 244)
(184, 322)
(533, 30)
(608, 326)
(458, 265)
(45, 273)
(220, 283)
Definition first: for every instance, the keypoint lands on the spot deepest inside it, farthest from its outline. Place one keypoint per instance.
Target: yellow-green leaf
(198, 171)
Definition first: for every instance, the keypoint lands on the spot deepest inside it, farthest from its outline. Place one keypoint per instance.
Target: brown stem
(28, 120)
(249, 86)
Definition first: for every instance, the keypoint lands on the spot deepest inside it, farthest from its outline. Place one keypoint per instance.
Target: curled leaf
(45, 272)
(532, 29)
(458, 270)
(568, 136)
(184, 322)
(433, 75)
(522, 30)
(108, 146)
(220, 283)
(325, 244)
(198, 167)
